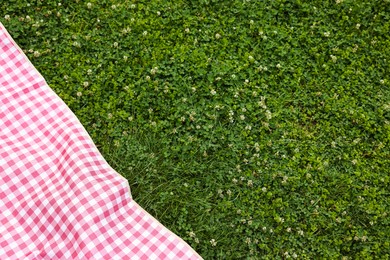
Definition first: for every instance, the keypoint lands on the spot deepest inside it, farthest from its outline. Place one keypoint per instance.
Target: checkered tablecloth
(59, 198)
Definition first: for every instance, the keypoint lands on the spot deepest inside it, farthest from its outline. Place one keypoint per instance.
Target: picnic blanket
(59, 198)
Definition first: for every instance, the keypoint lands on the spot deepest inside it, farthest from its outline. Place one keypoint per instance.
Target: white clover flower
(213, 242)
(234, 180)
(278, 66)
(251, 22)
(89, 72)
(217, 36)
(115, 44)
(288, 229)
(174, 131)
(364, 238)
(213, 92)
(109, 115)
(248, 241)
(271, 231)
(86, 84)
(191, 234)
(154, 70)
(233, 76)
(264, 229)
(268, 114)
(382, 81)
(218, 79)
(150, 110)
(132, 6)
(354, 161)
(125, 58)
(193, 89)
(158, 13)
(326, 34)
(187, 30)
(250, 183)
(294, 255)
(36, 54)
(113, 6)
(89, 5)
(250, 58)
(28, 18)
(145, 33)
(79, 94)
(130, 118)
(229, 192)
(300, 232)
(7, 17)
(183, 119)
(339, 1)
(334, 58)
(358, 26)
(147, 78)
(264, 189)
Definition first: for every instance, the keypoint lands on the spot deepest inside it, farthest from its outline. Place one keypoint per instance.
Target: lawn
(252, 129)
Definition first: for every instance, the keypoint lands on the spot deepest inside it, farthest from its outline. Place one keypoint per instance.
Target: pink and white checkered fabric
(59, 198)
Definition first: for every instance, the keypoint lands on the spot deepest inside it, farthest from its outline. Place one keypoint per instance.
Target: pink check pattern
(59, 198)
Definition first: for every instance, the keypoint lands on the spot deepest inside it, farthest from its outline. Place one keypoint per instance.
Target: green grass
(252, 129)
